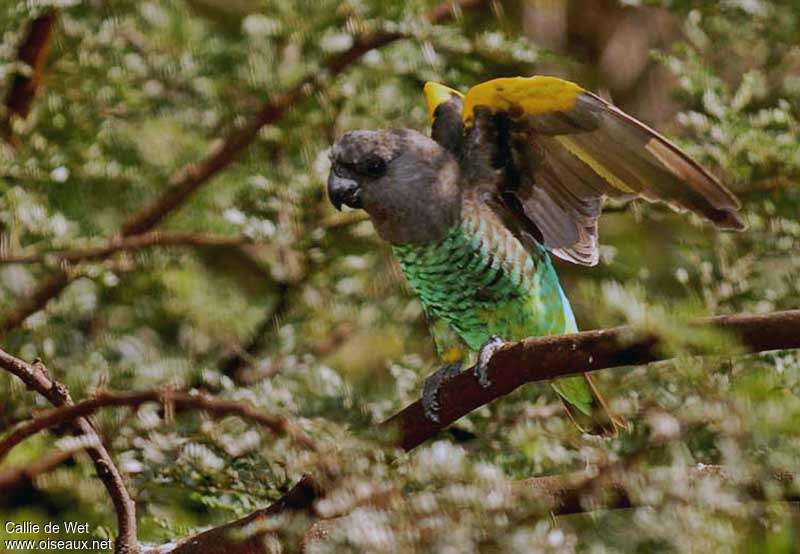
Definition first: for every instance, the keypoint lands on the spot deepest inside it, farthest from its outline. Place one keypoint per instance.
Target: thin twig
(16, 477)
(288, 291)
(574, 493)
(127, 244)
(232, 364)
(223, 540)
(179, 401)
(36, 378)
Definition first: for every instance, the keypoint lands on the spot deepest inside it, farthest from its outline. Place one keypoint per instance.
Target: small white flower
(555, 538)
(59, 174)
(336, 42)
(259, 26)
(232, 215)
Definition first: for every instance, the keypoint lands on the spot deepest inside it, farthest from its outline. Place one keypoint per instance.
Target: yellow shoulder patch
(527, 95)
(436, 94)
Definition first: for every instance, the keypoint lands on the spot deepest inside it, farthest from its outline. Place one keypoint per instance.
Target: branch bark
(32, 52)
(532, 360)
(179, 401)
(545, 358)
(36, 378)
(127, 244)
(185, 182)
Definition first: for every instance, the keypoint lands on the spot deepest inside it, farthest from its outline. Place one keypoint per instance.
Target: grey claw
(481, 368)
(430, 390)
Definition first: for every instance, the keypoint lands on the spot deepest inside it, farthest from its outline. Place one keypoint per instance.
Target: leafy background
(311, 319)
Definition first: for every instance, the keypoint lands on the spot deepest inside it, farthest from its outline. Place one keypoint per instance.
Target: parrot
(514, 172)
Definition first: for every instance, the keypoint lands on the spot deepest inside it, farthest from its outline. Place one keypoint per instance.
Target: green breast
(483, 282)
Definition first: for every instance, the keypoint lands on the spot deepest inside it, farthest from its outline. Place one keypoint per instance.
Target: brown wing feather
(560, 164)
(653, 166)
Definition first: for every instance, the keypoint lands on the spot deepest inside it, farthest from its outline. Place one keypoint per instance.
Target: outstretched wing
(565, 148)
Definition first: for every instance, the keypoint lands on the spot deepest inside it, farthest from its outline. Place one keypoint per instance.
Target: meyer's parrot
(516, 168)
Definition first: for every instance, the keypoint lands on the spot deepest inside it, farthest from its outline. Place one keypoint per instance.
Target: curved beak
(342, 190)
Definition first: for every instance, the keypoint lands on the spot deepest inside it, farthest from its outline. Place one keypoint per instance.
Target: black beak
(342, 190)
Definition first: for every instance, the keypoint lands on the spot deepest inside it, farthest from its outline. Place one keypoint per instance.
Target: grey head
(405, 181)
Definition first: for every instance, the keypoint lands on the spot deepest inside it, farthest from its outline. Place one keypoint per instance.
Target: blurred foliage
(135, 90)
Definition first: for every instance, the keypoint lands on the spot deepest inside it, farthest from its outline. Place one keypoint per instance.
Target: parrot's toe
(482, 367)
(430, 391)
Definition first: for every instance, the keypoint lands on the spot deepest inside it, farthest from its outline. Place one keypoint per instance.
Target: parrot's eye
(374, 167)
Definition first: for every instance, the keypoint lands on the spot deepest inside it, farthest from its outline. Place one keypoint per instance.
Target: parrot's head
(405, 181)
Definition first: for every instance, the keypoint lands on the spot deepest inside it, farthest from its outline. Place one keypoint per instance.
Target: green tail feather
(576, 391)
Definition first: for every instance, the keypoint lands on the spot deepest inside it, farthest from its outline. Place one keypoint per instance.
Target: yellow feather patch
(453, 354)
(436, 94)
(596, 166)
(529, 95)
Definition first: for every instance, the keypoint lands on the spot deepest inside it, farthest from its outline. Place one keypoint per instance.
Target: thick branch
(36, 378)
(33, 53)
(544, 358)
(179, 401)
(190, 178)
(532, 360)
(128, 244)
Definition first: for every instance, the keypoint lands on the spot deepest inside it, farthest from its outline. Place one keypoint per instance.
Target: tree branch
(36, 378)
(532, 360)
(222, 539)
(33, 53)
(608, 489)
(179, 401)
(544, 358)
(128, 244)
(566, 494)
(191, 177)
(572, 493)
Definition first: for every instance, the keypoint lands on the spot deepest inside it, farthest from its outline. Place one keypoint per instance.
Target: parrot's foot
(430, 391)
(485, 354)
